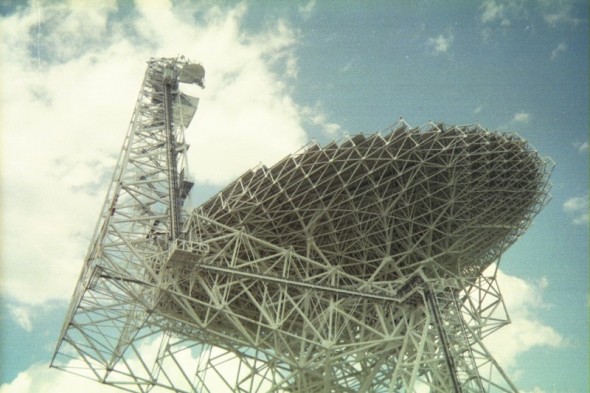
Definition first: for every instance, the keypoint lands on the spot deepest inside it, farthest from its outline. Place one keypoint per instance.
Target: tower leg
(433, 306)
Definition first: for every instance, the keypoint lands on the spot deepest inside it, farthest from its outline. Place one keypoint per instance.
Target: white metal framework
(360, 266)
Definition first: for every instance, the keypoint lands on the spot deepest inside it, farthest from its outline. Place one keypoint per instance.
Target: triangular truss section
(365, 265)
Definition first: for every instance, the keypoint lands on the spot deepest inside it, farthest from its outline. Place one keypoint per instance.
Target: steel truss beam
(221, 318)
(360, 266)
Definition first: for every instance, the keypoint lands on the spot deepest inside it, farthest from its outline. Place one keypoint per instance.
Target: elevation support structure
(140, 216)
(362, 266)
(219, 320)
(433, 308)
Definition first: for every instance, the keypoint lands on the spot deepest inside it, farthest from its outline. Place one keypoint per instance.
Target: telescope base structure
(215, 316)
(361, 266)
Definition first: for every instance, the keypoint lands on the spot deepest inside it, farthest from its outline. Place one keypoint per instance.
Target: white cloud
(441, 43)
(492, 11)
(521, 117)
(582, 219)
(577, 208)
(306, 9)
(536, 389)
(575, 204)
(499, 15)
(316, 117)
(558, 12)
(22, 316)
(64, 121)
(581, 147)
(41, 379)
(347, 66)
(561, 47)
(524, 300)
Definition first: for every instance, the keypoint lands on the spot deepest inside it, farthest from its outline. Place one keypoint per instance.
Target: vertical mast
(171, 82)
(141, 215)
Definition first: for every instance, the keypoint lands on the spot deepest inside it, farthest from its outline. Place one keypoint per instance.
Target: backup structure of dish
(366, 265)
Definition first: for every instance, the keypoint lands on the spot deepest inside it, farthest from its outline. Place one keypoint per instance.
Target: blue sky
(279, 76)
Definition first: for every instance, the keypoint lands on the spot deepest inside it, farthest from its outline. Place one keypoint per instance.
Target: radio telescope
(366, 265)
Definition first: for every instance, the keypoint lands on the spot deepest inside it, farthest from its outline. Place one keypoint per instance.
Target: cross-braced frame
(362, 266)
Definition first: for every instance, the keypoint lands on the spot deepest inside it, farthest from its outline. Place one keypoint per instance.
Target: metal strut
(141, 212)
(444, 340)
(174, 208)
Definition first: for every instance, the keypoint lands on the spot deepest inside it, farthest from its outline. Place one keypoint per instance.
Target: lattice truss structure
(367, 265)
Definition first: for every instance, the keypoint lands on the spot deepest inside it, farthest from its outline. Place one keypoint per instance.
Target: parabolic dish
(370, 217)
(452, 197)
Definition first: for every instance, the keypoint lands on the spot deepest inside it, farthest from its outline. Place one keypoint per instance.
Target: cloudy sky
(279, 76)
